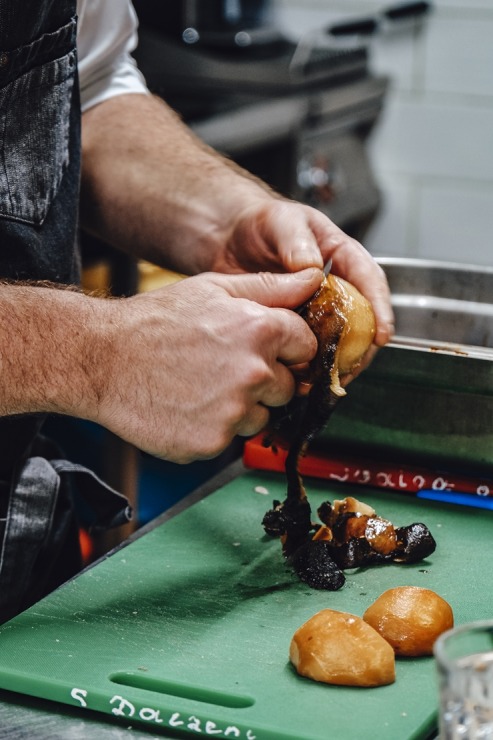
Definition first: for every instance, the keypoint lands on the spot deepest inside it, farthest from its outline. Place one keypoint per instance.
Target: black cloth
(39, 164)
(39, 194)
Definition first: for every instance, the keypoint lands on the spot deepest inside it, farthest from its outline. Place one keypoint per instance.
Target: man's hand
(178, 371)
(281, 235)
(194, 364)
(150, 187)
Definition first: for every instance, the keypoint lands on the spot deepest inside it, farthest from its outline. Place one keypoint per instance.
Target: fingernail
(302, 258)
(309, 274)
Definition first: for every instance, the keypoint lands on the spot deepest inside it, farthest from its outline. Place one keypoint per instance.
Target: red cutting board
(187, 630)
(364, 471)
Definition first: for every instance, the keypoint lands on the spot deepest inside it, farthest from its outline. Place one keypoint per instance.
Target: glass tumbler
(464, 658)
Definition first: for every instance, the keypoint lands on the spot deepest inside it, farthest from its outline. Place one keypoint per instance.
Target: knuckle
(254, 323)
(305, 339)
(213, 445)
(256, 421)
(311, 344)
(239, 411)
(257, 375)
(286, 391)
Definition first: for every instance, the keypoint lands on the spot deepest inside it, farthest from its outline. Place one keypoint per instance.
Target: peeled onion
(340, 648)
(410, 618)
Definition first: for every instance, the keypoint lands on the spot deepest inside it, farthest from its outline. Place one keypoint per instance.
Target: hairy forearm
(52, 351)
(137, 365)
(149, 186)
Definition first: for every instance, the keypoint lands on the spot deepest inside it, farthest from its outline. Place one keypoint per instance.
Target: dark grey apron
(39, 190)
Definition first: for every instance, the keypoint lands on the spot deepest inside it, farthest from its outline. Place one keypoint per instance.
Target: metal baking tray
(427, 396)
(445, 303)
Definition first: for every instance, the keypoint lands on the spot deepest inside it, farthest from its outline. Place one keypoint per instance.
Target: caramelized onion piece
(346, 539)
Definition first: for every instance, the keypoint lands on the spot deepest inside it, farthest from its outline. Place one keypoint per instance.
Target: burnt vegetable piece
(315, 566)
(291, 521)
(358, 537)
(351, 536)
(414, 543)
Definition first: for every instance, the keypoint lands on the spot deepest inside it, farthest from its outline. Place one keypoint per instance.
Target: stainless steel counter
(28, 718)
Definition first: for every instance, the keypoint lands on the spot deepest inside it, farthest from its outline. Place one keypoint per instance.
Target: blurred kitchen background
(432, 149)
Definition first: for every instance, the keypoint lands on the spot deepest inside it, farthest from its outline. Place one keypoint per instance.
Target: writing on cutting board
(402, 480)
(121, 707)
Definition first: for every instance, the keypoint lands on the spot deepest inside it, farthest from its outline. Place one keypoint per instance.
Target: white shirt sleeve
(107, 34)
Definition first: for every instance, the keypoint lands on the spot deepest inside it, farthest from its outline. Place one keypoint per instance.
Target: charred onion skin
(343, 322)
(314, 565)
(327, 314)
(351, 535)
(345, 540)
(289, 521)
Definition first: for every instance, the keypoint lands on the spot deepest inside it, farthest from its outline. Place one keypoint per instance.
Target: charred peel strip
(352, 535)
(307, 415)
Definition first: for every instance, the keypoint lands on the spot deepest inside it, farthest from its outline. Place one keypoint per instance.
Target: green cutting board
(187, 629)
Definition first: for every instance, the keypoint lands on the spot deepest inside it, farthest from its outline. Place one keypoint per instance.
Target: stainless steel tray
(428, 396)
(448, 303)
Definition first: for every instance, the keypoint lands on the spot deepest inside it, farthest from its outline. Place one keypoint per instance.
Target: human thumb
(279, 290)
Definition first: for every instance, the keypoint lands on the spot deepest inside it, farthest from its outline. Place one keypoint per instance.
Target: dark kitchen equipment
(243, 26)
(218, 23)
(295, 114)
(189, 627)
(303, 134)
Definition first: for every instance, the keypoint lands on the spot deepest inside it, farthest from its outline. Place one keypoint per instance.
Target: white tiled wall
(432, 150)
